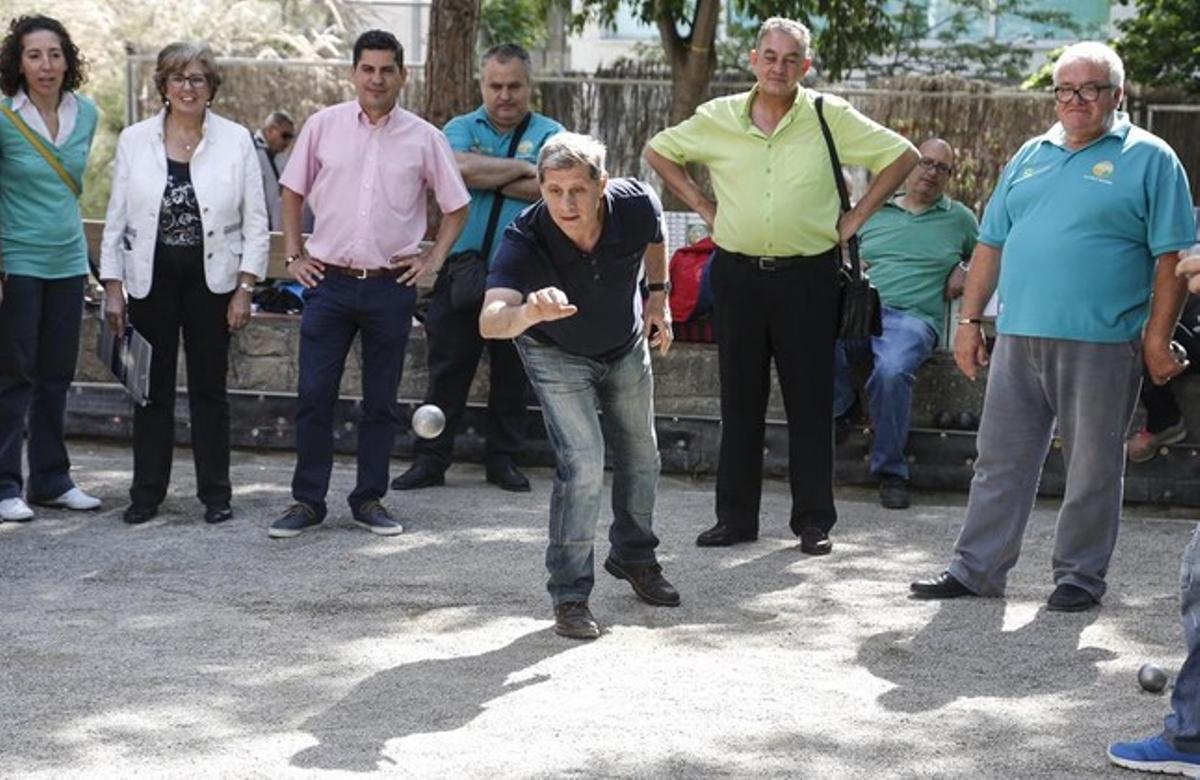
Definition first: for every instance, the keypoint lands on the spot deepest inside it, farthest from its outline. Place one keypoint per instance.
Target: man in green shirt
(777, 227)
(916, 246)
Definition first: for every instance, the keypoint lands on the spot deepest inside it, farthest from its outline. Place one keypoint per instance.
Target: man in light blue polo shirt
(1083, 232)
(916, 245)
(481, 141)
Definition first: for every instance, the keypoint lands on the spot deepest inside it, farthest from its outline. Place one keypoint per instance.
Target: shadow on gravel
(964, 652)
(436, 695)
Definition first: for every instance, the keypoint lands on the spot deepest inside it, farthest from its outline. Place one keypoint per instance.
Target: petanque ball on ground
(1152, 678)
(428, 421)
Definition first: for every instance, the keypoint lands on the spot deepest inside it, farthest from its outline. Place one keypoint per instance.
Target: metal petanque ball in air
(1152, 678)
(428, 421)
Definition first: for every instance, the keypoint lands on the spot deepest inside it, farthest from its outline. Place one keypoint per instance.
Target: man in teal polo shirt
(481, 141)
(916, 245)
(1083, 231)
(777, 226)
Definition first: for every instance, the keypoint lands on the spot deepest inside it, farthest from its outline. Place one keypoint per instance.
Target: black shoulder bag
(860, 314)
(466, 271)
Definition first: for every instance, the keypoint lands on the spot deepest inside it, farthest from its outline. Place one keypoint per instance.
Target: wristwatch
(246, 286)
(659, 287)
(292, 258)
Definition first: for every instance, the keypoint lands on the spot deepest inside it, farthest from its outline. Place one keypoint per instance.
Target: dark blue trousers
(340, 307)
(39, 343)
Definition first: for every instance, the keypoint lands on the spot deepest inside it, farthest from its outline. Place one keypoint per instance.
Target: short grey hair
(174, 57)
(1096, 53)
(506, 52)
(567, 150)
(278, 118)
(789, 27)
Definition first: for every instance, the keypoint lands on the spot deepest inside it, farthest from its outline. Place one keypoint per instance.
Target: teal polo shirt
(475, 133)
(912, 254)
(1080, 232)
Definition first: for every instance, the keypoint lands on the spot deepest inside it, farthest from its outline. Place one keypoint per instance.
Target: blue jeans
(1182, 727)
(380, 311)
(906, 343)
(574, 392)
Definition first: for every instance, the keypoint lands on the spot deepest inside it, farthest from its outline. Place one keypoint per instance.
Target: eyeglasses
(940, 167)
(1088, 93)
(197, 82)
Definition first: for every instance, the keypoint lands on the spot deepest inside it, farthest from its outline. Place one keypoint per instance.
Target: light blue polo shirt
(1081, 230)
(475, 133)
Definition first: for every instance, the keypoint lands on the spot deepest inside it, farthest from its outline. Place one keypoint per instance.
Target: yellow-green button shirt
(776, 195)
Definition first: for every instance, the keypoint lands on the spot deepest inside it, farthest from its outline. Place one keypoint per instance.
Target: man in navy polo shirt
(564, 283)
(1083, 231)
(481, 141)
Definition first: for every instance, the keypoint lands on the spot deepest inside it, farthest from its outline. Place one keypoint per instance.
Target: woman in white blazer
(185, 239)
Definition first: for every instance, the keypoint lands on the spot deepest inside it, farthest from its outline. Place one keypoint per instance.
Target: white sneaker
(74, 499)
(15, 510)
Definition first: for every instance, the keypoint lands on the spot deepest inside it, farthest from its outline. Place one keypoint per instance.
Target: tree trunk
(692, 61)
(451, 65)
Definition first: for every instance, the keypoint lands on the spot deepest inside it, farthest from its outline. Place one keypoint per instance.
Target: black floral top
(179, 224)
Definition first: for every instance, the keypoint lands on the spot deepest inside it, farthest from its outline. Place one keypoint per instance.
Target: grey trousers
(1090, 389)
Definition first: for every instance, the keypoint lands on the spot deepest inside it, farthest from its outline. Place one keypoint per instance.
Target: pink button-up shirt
(366, 183)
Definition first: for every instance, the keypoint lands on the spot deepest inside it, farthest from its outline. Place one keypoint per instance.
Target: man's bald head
(927, 182)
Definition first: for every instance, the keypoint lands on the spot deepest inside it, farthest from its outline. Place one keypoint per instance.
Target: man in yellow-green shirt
(777, 226)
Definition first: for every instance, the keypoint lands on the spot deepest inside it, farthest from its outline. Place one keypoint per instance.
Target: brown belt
(362, 273)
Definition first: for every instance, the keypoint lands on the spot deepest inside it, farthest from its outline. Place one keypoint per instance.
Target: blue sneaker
(1154, 755)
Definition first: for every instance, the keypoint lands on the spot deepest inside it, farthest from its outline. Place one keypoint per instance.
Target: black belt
(362, 273)
(768, 263)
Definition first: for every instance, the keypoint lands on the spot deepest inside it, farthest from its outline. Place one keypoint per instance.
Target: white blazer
(228, 185)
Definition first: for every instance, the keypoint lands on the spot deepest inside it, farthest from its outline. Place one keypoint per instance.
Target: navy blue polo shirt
(603, 283)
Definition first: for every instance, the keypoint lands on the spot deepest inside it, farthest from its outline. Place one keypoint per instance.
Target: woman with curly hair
(185, 239)
(46, 132)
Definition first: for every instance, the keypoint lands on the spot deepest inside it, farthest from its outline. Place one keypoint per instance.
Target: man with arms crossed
(365, 167)
(481, 141)
(1083, 232)
(565, 285)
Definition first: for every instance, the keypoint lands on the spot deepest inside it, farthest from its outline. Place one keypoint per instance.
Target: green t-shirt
(41, 232)
(912, 254)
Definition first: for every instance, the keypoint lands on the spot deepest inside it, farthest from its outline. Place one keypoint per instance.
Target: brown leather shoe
(647, 580)
(574, 620)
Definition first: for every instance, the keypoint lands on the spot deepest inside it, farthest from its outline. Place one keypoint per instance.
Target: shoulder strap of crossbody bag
(843, 193)
(42, 149)
(498, 200)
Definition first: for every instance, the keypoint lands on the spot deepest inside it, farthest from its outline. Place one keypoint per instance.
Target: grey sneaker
(296, 520)
(374, 517)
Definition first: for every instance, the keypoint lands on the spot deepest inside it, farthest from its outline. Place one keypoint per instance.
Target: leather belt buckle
(362, 273)
(765, 263)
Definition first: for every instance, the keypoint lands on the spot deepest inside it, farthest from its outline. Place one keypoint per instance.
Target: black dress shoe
(1071, 598)
(647, 580)
(814, 541)
(574, 620)
(136, 515)
(506, 477)
(419, 475)
(721, 535)
(217, 514)
(943, 586)
(893, 493)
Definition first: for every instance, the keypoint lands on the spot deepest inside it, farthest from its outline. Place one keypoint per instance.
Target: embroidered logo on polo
(1101, 172)
(525, 147)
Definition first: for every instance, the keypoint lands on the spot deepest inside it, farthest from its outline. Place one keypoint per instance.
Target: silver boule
(1152, 678)
(428, 421)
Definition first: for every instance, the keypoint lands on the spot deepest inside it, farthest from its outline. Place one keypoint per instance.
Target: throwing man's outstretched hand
(547, 304)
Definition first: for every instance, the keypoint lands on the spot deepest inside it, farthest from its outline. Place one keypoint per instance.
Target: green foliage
(103, 29)
(512, 21)
(1161, 45)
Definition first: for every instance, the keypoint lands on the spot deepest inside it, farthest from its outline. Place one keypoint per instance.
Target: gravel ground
(180, 649)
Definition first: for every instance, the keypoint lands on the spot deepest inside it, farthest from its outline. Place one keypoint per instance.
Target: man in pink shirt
(364, 168)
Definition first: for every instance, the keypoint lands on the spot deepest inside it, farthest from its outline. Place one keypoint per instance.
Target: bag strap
(843, 192)
(42, 149)
(498, 200)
